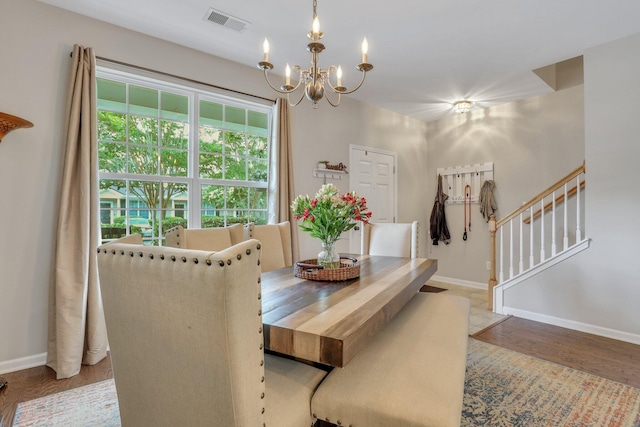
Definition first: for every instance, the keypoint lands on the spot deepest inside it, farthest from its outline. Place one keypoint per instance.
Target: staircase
(544, 231)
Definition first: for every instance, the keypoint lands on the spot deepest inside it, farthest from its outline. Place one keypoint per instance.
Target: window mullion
(195, 189)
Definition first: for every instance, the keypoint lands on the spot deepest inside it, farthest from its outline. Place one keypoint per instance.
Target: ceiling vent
(222, 18)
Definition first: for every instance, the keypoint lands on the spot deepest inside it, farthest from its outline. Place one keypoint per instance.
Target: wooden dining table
(329, 322)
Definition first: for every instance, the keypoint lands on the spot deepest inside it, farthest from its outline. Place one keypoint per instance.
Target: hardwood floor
(615, 360)
(600, 356)
(41, 381)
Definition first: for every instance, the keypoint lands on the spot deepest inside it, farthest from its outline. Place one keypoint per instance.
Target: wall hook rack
(456, 178)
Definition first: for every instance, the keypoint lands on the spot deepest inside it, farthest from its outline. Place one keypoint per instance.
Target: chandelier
(316, 81)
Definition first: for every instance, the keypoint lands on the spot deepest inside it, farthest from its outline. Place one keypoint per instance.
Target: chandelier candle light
(314, 78)
(327, 215)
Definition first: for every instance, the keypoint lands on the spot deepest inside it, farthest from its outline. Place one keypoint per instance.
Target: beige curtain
(77, 332)
(281, 192)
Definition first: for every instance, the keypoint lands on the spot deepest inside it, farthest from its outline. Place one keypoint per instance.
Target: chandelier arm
(329, 100)
(332, 87)
(266, 77)
(347, 92)
(296, 103)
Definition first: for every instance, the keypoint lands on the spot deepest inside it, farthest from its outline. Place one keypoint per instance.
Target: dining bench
(411, 374)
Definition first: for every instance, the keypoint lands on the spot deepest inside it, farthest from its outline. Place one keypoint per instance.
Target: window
(171, 154)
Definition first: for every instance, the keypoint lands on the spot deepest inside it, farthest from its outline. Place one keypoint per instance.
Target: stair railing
(498, 226)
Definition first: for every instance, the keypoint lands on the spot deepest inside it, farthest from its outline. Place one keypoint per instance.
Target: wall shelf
(328, 174)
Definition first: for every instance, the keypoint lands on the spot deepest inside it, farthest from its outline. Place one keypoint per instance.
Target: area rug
(502, 388)
(94, 405)
(506, 388)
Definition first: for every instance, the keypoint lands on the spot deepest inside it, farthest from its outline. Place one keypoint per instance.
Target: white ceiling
(427, 54)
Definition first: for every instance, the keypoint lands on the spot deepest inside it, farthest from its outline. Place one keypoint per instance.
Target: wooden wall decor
(456, 178)
(9, 123)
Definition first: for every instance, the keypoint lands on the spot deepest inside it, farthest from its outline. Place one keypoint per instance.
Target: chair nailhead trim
(260, 330)
(262, 396)
(263, 410)
(258, 262)
(259, 279)
(259, 296)
(239, 257)
(121, 252)
(184, 259)
(228, 262)
(221, 263)
(98, 250)
(130, 253)
(173, 258)
(195, 260)
(258, 246)
(259, 312)
(140, 254)
(151, 256)
(248, 251)
(208, 262)
(262, 363)
(162, 256)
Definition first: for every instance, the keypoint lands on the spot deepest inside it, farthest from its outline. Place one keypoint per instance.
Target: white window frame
(195, 93)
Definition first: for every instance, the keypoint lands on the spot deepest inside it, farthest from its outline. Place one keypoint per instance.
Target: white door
(373, 175)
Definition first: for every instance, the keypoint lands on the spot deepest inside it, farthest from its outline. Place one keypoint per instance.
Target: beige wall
(532, 143)
(33, 83)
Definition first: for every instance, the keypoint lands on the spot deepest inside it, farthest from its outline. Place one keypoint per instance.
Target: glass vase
(328, 257)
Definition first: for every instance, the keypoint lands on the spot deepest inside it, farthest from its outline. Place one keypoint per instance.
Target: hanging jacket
(487, 203)
(438, 222)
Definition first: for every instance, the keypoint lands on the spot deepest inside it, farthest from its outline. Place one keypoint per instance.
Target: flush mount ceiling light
(317, 82)
(462, 106)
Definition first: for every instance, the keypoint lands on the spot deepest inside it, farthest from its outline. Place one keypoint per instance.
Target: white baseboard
(572, 324)
(23, 363)
(460, 282)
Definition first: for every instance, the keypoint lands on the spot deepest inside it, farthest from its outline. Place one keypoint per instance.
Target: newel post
(492, 274)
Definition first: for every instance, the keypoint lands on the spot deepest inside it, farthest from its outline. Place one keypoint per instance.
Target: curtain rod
(113, 61)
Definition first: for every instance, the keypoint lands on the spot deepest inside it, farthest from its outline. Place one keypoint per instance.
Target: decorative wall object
(9, 123)
(455, 179)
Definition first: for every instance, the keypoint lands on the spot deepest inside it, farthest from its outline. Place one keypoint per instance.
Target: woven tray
(310, 270)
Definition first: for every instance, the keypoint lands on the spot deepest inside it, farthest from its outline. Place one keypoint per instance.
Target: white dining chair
(390, 239)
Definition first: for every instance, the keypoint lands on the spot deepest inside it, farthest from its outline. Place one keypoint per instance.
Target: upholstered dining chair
(186, 341)
(206, 239)
(276, 239)
(390, 239)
